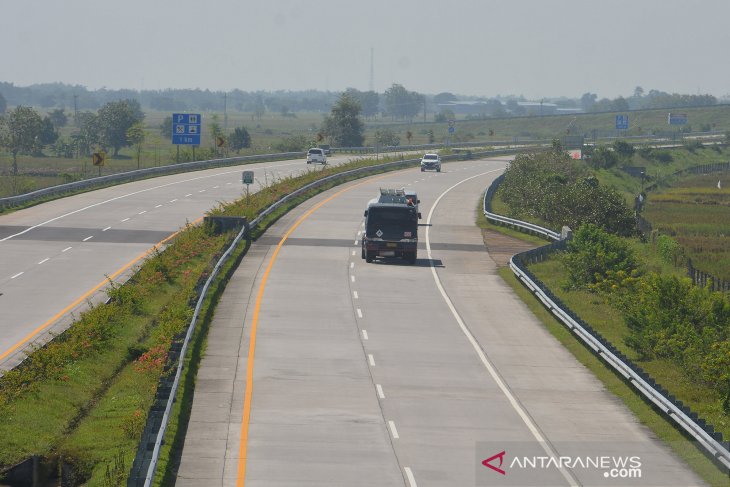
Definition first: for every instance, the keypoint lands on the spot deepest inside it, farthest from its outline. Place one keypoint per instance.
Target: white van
(316, 155)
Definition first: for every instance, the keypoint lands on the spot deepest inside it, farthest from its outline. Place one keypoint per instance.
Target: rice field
(696, 213)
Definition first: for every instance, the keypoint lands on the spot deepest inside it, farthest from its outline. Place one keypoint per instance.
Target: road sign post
(247, 178)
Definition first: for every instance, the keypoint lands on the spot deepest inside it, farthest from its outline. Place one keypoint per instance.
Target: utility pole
(225, 114)
(372, 70)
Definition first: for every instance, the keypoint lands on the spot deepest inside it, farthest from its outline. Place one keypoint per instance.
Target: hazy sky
(537, 48)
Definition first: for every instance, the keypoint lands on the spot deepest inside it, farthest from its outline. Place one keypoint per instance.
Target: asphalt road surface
(323, 370)
(55, 257)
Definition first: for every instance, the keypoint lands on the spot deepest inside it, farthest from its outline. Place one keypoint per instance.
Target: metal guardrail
(697, 428)
(138, 174)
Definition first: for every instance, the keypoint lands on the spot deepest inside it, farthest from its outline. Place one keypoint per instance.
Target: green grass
(697, 214)
(644, 411)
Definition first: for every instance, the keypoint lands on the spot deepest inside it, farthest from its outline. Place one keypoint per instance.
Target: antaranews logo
(488, 462)
(612, 467)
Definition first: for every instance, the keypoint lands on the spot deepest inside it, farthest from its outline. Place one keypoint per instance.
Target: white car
(431, 161)
(315, 155)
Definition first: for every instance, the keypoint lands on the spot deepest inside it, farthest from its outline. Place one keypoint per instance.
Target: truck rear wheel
(411, 258)
(369, 256)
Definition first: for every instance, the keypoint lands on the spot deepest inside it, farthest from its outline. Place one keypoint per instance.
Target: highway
(323, 370)
(54, 257)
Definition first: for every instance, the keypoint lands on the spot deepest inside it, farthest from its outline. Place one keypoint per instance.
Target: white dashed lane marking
(66, 249)
(88, 238)
(379, 388)
(17, 275)
(393, 430)
(126, 219)
(105, 229)
(364, 334)
(44, 260)
(371, 360)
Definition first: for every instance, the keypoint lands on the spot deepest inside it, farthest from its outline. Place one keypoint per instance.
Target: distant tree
(620, 104)
(369, 101)
(88, 134)
(588, 100)
(239, 139)
(58, 117)
(48, 135)
(343, 125)
(401, 103)
(19, 132)
(638, 92)
(386, 137)
(215, 128)
(444, 97)
(114, 119)
(166, 127)
(3, 104)
(135, 137)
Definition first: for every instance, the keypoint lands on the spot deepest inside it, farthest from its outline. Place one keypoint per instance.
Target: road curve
(54, 257)
(323, 370)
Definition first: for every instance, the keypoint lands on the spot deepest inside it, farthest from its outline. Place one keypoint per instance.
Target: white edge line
(411, 478)
(393, 430)
(519, 409)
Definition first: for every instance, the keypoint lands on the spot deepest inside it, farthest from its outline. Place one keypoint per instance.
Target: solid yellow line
(71, 306)
(243, 449)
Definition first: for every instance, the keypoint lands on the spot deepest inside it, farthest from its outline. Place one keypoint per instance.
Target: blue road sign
(622, 122)
(677, 119)
(452, 129)
(186, 128)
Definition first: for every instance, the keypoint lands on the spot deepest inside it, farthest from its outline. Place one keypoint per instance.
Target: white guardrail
(709, 441)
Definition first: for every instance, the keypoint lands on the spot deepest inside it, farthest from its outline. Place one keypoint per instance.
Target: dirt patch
(502, 247)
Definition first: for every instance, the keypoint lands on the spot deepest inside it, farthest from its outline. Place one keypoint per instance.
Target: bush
(623, 149)
(603, 158)
(669, 317)
(593, 255)
(669, 249)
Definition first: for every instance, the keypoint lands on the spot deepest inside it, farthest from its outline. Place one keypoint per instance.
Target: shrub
(670, 318)
(593, 254)
(624, 149)
(603, 158)
(669, 249)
